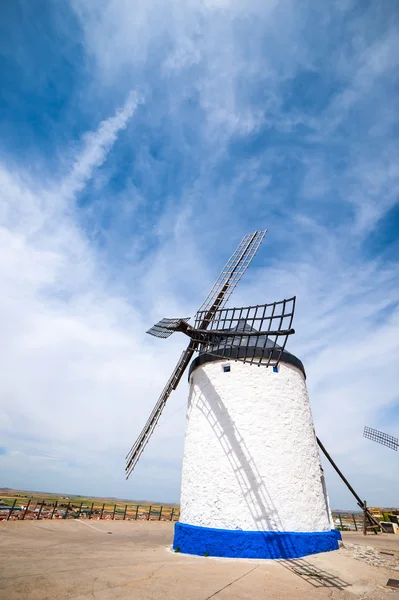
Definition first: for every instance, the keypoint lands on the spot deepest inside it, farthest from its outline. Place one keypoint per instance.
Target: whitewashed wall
(251, 459)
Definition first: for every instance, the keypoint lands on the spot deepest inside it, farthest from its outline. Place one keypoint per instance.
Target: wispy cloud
(95, 148)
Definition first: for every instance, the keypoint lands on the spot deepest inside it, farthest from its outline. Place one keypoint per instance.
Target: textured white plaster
(251, 459)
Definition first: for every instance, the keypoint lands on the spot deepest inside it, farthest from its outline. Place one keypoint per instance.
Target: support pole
(80, 510)
(113, 514)
(137, 512)
(55, 506)
(160, 513)
(11, 510)
(172, 513)
(360, 502)
(102, 510)
(149, 513)
(91, 510)
(354, 521)
(124, 514)
(26, 510)
(40, 511)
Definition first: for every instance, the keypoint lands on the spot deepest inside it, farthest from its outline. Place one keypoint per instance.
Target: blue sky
(138, 143)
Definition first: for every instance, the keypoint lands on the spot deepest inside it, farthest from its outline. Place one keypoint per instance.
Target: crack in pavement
(231, 583)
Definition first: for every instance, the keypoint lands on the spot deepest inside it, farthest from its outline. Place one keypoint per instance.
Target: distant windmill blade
(382, 438)
(254, 334)
(141, 442)
(230, 275)
(165, 327)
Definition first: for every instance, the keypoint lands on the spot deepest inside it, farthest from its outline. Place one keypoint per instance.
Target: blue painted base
(206, 541)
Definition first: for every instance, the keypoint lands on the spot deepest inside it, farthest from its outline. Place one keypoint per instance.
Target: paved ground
(81, 560)
(386, 541)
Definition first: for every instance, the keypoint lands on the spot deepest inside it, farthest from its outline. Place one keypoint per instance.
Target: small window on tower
(226, 368)
(275, 369)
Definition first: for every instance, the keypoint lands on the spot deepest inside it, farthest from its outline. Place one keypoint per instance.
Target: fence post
(354, 521)
(172, 513)
(149, 513)
(66, 512)
(364, 518)
(160, 513)
(340, 520)
(25, 511)
(113, 514)
(137, 512)
(91, 510)
(11, 510)
(40, 511)
(124, 514)
(102, 510)
(80, 510)
(55, 506)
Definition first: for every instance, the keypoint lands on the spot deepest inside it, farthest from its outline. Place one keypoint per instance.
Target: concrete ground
(104, 560)
(386, 541)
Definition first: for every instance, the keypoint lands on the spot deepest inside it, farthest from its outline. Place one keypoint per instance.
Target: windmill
(252, 481)
(382, 438)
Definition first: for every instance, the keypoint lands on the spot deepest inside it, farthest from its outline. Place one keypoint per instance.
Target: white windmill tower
(252, 482)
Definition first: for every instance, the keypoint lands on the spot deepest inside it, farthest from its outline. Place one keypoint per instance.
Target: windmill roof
(262, 343)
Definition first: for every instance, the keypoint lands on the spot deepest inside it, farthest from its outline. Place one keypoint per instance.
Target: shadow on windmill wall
(254, 491)
(243, 468)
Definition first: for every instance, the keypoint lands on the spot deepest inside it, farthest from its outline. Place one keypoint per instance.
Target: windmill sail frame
(136, 451)
(220, 292)
(230, 275)
(382, 438)
(255, 334)
(165, 327)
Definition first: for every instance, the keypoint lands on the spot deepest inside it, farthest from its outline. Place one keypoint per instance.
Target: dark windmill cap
(239, 347)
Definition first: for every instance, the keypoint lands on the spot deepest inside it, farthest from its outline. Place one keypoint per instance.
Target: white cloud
(96, 147)
(76, 368)
(202, 37)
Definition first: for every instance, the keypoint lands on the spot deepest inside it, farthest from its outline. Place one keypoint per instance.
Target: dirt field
(65, 560)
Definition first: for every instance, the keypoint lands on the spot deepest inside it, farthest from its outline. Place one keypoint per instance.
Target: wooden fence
(20, 509)
(346, 521)
(32, 508)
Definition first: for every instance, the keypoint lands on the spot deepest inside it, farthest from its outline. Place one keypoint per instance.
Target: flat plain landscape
(26, 505)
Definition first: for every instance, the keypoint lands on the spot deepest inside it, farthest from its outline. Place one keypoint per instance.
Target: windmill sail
(141, 442)
(165, 327)
(254, 334)
(230, 275)
(382, 438)
(218, 296)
